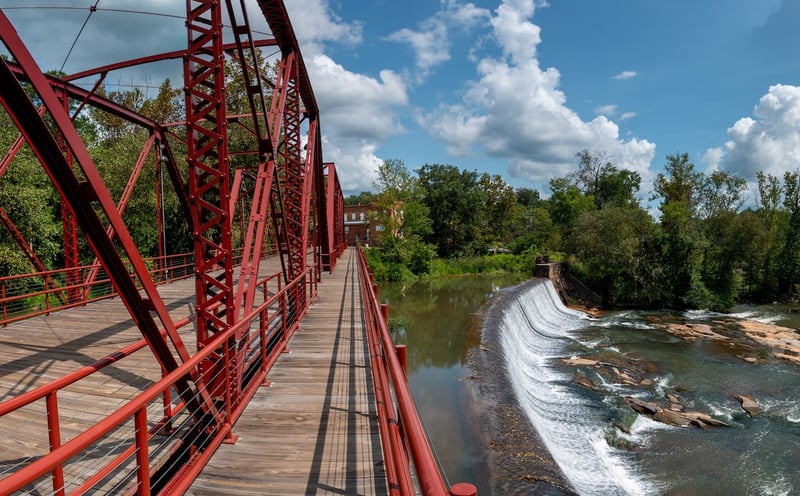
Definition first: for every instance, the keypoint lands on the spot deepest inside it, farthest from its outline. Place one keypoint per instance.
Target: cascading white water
(535, 330)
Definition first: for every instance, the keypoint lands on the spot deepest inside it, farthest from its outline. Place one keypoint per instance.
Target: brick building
(361, 224)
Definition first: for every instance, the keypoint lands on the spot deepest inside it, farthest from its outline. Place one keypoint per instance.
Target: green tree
(598, 178)
(454, 200)
(32, 204)
(567, 202)
(789, 257)
(617, 247)
(534, 232)
(682, 241)
(720, 198)
(773, 217)
(528, 197)
(404, 217)
(721, 194)
(500, 209)
(363, 198)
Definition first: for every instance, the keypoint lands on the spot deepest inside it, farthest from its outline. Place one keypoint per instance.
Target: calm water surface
(439, 331)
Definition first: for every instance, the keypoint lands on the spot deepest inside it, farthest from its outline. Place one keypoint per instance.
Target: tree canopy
(700, 250)
(697, 248)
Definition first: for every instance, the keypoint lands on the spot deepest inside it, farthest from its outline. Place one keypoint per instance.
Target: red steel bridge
(135, 375)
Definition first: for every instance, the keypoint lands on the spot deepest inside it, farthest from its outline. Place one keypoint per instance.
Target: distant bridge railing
(39, 293)
(155, 442)
(400, 425)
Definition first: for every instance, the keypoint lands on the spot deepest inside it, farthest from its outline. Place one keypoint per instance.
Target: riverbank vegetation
(697, 240)
(690, 243)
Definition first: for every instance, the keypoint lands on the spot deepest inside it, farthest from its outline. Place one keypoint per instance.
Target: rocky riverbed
(751, 340)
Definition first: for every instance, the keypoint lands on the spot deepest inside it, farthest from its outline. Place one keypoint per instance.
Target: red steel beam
(121, 206)
(176, 54)
(290, 164)
(329, 202)
(296, 176)
(69, 224)
(27, 249)
(278, 20)
(259, 210)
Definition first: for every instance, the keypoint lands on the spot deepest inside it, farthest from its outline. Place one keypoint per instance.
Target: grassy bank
(389, 270)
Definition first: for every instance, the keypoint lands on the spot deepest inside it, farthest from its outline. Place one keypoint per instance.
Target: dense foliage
(696, 248)
(31, 202)
(689, 244)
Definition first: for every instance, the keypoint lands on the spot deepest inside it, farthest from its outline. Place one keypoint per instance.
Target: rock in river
(749, 405)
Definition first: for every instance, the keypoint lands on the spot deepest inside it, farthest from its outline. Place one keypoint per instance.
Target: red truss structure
(278, 193)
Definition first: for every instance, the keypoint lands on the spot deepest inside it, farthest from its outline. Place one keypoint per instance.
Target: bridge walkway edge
(314, 430)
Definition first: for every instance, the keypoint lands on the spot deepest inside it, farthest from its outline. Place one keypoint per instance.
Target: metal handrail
(24, 296)
(268, 339)
(29, 295)
(406, 433)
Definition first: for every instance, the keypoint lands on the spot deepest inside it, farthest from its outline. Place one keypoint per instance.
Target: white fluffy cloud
(769, 141)
(431, 42)
(315, 23)
(607, 110)
(358, 112)
(515, 110)
(626, 75)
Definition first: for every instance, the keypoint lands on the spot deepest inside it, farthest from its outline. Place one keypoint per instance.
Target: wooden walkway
(314, 431)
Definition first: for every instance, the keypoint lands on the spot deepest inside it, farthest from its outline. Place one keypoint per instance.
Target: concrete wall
(569, 288)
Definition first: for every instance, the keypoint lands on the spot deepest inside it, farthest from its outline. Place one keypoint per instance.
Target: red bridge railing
(149, 443)
(39, 293)
(401, 429)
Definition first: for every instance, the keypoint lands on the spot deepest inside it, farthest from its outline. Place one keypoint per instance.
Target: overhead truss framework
(289, 195)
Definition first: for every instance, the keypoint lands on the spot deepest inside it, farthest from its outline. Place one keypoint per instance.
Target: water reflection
(440, 329)
(437, 313)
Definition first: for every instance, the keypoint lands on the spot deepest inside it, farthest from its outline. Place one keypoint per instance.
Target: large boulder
(673, 415)
(644, 407)
(749, 405)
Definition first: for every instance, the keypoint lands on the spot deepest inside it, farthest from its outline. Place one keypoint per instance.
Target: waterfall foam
(535, 330)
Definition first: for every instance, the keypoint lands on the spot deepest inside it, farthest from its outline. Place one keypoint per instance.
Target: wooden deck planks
(314, 430)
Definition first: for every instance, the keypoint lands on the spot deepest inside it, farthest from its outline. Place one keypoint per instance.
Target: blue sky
(512, 87)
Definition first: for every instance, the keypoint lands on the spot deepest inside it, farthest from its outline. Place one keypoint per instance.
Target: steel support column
(209, 182)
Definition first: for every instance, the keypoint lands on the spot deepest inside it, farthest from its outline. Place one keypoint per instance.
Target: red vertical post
(463, 489)
(54, 434)
(161, 260)
(142, 453)
(69, 226)
(402, 355)
(209, 188)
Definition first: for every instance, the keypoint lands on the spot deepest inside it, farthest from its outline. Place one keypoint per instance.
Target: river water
(754, 456)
